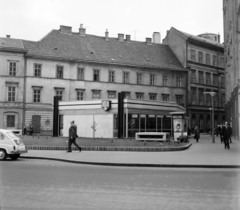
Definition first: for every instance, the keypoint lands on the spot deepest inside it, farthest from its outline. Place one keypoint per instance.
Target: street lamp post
(212, 94)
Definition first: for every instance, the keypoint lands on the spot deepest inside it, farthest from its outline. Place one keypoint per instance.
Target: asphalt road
(41, 184)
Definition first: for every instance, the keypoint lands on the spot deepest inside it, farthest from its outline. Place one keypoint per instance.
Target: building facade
(203, 56)
(231, 20)
(77, 66)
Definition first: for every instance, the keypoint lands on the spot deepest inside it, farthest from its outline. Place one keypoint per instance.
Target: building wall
(198, 110)
(11, 108)
(231, 20)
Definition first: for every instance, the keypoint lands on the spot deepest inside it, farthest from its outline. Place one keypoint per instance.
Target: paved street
(43, 184)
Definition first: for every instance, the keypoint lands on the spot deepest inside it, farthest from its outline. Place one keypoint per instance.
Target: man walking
(72, 137)
(226, 132)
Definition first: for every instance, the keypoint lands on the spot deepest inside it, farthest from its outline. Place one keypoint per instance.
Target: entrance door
(36, 123)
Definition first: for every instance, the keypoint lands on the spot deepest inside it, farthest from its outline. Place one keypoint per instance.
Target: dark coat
(196, 133)
(73, 132)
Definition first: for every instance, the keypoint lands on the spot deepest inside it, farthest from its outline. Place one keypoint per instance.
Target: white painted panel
(85, 123)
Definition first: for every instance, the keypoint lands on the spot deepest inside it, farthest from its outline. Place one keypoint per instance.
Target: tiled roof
(11, 44)
(198, 38)
(90, 48)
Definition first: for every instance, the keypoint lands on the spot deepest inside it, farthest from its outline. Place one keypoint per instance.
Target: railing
(152, 136)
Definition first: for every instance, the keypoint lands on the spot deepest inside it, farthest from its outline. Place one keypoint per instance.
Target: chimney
(8, 36)
(156, 38)
(121, 37)
(218, 39)
(65, 29)
(82, 31)
(106, 34)
(149, 41)
(128, 37)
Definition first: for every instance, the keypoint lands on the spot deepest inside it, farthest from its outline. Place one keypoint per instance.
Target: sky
(34, 19)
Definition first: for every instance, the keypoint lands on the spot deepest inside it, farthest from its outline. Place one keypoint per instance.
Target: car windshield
(11, 134)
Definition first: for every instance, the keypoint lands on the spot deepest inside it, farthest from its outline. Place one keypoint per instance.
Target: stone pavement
(203, 154)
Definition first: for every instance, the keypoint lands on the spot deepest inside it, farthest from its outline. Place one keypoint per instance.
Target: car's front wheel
(3, 154)
(15, 156)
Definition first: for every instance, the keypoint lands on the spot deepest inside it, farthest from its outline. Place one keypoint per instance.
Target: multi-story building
(203, 56)
(12, 82)
(231, 16)
(79, 66)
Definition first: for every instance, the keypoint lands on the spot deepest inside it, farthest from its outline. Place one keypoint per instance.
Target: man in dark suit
(72, 137)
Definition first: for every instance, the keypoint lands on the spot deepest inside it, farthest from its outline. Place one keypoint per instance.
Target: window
(112, 94)
(208, 79)
(139, 78)
(140, 96)
(208, 100)
(214, 60)
(193, 76)
(222, 61)
(37, 70)
(59, 93)
(179, 81)
(10, 121)
(96, 94)
(200, 57)
(125, 77)
(96, 75)
(12, 68)
(208, 60)
(79, 94)
(111, 76)
(36, 95)
(11, 93)
(215, 80)
(200, 75)
(222, 99)
(193, 96)
(165, 97)
(80, 73)
(152, 79)
(59, 72)
(126, 94)
(193, 55)
(201, 97)
(179, 99)
(165, 81)
(153, 96)
(222, 82)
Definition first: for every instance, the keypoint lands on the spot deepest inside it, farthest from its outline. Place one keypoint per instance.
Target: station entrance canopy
(100, 118)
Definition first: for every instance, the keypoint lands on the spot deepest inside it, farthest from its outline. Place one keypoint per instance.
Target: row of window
(207, 79)
(96, 75)
(206, 58)
(197, 98)
(96, 94)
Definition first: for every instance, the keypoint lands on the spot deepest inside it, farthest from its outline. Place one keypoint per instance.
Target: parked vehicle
(10, 145)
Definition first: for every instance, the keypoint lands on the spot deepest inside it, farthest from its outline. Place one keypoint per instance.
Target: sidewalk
(203, 154)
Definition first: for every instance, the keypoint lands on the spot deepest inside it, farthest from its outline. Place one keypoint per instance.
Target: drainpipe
(24, 91)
